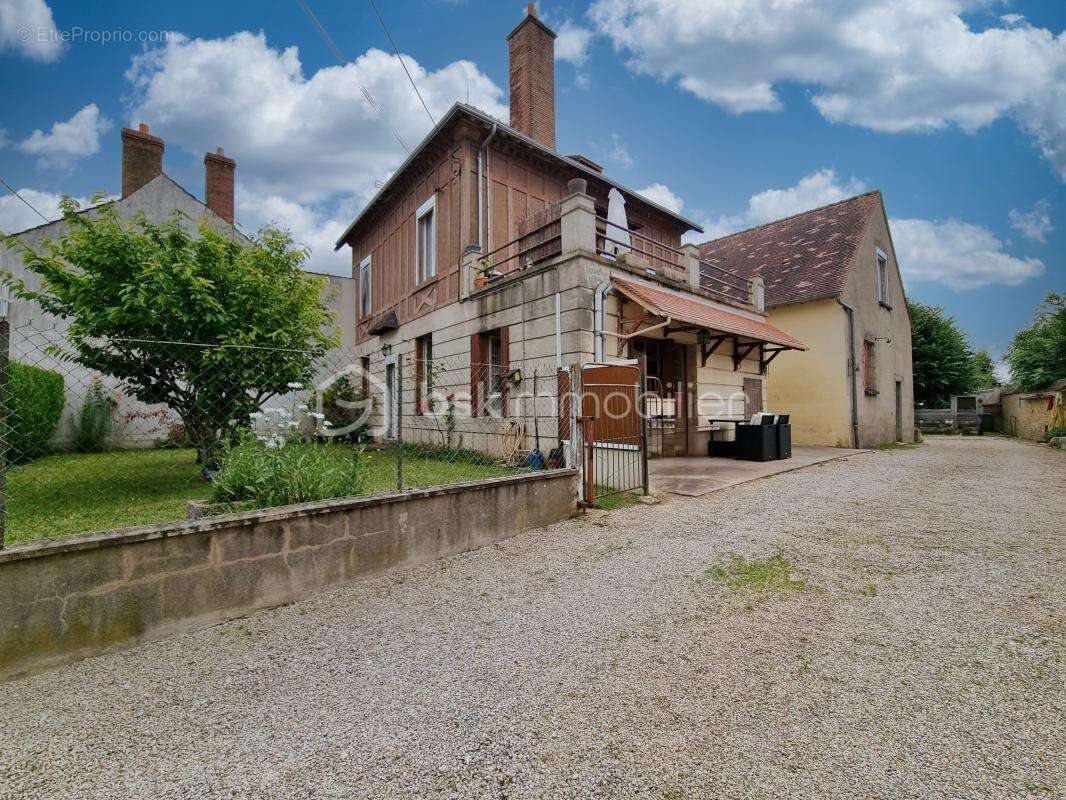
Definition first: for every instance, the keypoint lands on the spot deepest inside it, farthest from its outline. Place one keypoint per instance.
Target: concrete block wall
(69, 598)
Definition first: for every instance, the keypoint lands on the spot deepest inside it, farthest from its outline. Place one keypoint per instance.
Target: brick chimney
(142, 158)
(218, 183)
(531, 47)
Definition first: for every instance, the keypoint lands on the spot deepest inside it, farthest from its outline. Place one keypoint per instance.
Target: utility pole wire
(24, 200)
(337, 54)
(399, 58)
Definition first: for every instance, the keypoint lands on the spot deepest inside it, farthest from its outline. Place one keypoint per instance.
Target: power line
(24, 200)
(337, 54)
(399, 58)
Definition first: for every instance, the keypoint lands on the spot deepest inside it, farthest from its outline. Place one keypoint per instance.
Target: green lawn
(80, 492)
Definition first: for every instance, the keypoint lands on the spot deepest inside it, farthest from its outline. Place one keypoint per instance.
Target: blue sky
(731, 111)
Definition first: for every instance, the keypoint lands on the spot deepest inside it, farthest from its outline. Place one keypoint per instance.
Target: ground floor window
(424, 369)
(489, 372)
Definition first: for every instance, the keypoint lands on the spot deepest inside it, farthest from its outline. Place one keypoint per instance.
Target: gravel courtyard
(600, 658)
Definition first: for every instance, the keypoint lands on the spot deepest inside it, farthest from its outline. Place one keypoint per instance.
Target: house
(1030, 414)
(831, 279)
(145, 188)
(488, 250)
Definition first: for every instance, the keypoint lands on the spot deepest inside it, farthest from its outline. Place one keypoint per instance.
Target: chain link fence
(110, 434)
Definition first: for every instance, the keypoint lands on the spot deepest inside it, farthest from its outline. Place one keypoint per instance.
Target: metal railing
(714, 279)
(657, 253)
(721, 281)
(540, 238)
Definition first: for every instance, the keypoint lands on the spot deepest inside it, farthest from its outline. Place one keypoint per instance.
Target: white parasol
(617, 224)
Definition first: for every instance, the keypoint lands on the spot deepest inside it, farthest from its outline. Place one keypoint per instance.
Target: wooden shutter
(505, 366)
(752, 397)
(869, 383)
(476, 368)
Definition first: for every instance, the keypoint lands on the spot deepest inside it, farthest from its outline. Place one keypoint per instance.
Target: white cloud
(660, 193)
(617, 152)
(919, 67)
(68, 141)
(958, 254)
(813, 191)
(1002, 370)
(16, 216)
(315, 227)
(305, 139)
(1034, 224)
(572, 43)
(28, 28)
(817, 189)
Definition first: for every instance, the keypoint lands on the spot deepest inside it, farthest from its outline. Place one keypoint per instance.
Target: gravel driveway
(598, 658)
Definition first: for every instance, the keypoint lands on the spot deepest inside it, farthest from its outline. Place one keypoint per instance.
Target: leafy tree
(206, 323)
(942, 359)
(984, 370)
(1037, 355)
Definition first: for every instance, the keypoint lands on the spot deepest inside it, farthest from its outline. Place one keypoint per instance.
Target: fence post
(399, 423)
(642, 410)
(5, 339)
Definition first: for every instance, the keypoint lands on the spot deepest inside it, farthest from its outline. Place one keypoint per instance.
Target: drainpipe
(480, 192)
(558, 331)
(851, 372)
(598, 317)
(482, 152)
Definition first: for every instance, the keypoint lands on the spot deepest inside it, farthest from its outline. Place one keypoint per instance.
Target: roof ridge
(793, 216)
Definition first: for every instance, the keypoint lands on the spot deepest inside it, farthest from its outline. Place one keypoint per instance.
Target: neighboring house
(1029, 414)
(832, 280)
(145, 188)
(488, 248)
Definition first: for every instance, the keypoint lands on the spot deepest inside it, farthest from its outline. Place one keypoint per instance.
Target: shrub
(275, 472)
(93, 424)
(35, 403)
(342, 405)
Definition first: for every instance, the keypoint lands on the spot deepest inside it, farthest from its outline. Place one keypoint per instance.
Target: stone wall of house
(1026, 414)
(82, 595)
(34, 333)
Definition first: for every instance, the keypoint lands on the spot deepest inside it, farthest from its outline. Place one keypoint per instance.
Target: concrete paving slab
(695, 476)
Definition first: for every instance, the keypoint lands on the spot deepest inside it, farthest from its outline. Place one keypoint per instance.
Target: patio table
(712, 421)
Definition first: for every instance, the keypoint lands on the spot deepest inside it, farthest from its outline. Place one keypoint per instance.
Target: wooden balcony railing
(539, 238)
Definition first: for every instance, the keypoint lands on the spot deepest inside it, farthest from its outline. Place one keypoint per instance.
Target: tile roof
(802, 257)
(704, 314)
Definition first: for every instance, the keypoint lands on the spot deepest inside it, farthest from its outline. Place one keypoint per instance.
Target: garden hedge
(35, 403)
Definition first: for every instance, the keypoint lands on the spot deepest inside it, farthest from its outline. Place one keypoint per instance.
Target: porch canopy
(693, 312)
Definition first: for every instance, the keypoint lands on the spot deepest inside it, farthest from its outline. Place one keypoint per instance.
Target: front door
(665, 365)
(899, 410)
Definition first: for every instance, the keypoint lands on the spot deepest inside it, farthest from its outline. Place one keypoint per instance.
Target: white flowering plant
(279, 462)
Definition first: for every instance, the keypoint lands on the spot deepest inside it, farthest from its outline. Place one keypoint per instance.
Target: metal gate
(614, 434)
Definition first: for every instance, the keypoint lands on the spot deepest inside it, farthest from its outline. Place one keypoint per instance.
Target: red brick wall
(532, 64)
(142, 158)
(218, 184)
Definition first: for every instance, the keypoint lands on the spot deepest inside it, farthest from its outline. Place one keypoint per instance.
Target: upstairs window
(364, 288)
(882, 279)
(426, 241)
